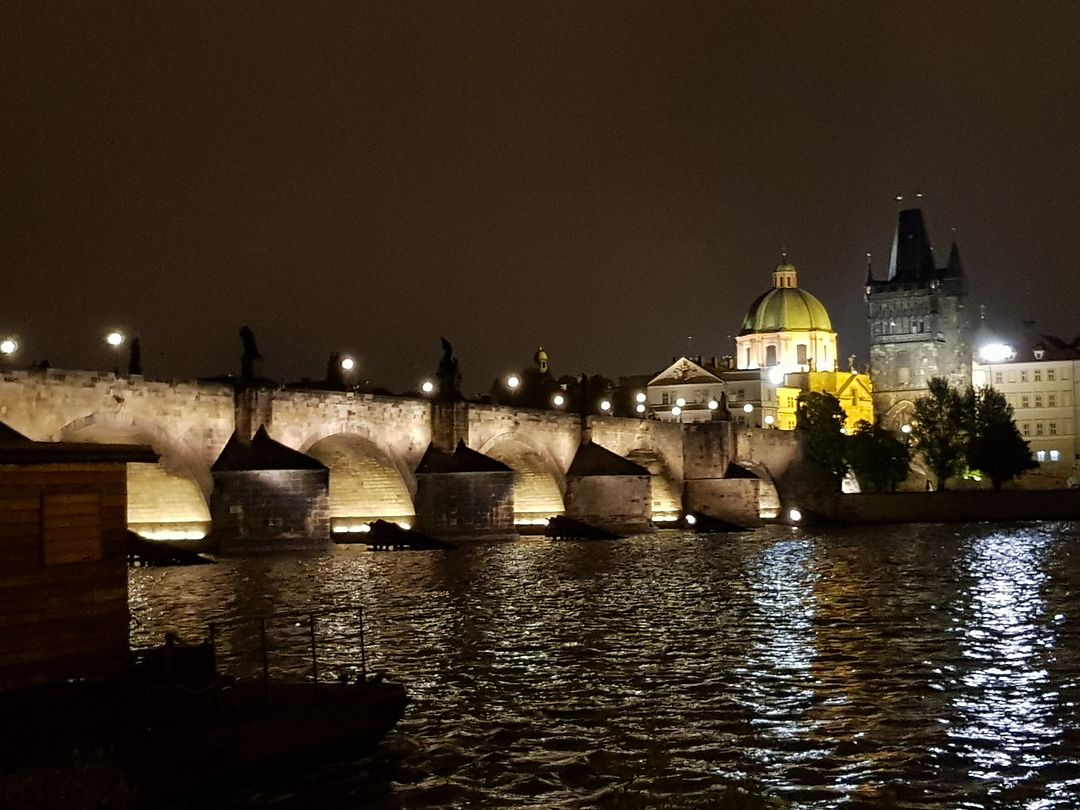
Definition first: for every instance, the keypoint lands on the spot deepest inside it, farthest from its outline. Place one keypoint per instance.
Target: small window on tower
(1023, 376)
(1050, 375)
(1037, 375)
(998, 378)
(800, 352)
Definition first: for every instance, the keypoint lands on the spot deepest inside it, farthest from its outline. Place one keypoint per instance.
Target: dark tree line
(953, 432)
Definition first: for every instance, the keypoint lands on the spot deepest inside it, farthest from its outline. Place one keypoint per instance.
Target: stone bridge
(372, 445)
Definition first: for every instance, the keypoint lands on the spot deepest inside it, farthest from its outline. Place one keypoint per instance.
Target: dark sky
(602, 179)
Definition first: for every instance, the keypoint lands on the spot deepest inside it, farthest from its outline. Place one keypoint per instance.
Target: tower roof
(912, 257)
(786, 307)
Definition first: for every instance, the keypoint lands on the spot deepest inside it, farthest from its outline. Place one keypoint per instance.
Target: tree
(878, 459)
(994, 445)
(939, 431)
(820, 420)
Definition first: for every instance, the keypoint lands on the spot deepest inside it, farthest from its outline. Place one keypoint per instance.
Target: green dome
(786, 308)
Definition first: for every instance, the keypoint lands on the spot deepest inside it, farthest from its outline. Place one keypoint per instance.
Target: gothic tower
(918, 322)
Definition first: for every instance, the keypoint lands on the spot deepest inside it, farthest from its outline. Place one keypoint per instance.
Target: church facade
(918, 322)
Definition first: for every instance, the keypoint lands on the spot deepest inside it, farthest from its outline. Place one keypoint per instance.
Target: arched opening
(537, 494)
(165, 501)
(365, 485)
(666, 495)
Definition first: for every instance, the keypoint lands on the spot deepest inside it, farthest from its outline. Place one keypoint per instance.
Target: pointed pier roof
(262, 453)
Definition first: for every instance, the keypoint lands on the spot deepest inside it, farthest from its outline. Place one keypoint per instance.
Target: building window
(1055, 455)
(71, 528)
(1038, 428)
(1025, 429)
(1024, 401)
(1050, 375)
(1053, 428)
(800, 354)
(748, 357)
(1040, 455)
(998, 378)
(665, 398)
(1051, 400)
(1036, 375)
(1023, 376)
(1038, 400)
(770, 355)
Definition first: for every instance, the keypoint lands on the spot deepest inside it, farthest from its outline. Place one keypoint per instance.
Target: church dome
(786, 308)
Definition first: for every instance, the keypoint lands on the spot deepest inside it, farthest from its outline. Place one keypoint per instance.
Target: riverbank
(955, 507)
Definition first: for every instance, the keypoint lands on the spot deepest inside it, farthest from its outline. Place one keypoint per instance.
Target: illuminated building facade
(1039, 382)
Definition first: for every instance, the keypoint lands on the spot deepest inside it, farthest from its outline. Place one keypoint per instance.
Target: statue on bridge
(448, 375)
(250, 356)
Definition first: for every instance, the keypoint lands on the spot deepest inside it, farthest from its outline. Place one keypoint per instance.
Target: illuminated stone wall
(470, 504)
(619, 503)
(269, 510)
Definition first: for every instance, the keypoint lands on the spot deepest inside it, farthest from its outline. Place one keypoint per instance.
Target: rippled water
(910, 666)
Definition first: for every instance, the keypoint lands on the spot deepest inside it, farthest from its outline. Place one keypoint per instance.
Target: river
(919, 666)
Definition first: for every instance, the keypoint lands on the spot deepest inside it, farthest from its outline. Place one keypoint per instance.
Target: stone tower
(918, 322)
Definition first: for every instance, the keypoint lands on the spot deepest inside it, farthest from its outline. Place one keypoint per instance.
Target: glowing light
(605, 406)
(174, 534)
(115, 339)
(639, 396)
(996, 353)
(513, 381)
(770, 420)
(843, 431)
(640, 408)
(713, 404)
(9, 346)
(558, 400)
(427, 386)
(348, 364)
(794, 515)
(905, 429)
(748, 408)
(691, 520)
(404, 524)
(776, 375)
(676, 411)
(680, 402)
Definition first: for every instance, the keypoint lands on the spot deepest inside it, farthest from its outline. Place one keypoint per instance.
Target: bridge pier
(464, 493)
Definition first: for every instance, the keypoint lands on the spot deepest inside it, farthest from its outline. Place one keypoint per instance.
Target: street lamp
(347, 363)
(640, 407)
(558, 400)
(680, 402)
(748, 408)
(427, 386)
(8, 346)
(115, 339)
(905, 429)
(513, 382)
(770, 420)
(713, 404)
(639, 397)
(605, 405)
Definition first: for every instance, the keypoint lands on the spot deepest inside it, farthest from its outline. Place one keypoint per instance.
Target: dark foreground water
(909, 666)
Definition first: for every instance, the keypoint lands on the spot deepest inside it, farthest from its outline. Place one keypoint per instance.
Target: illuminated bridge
(372, 445)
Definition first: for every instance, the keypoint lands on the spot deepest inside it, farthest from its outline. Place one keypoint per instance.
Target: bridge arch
(538, 483)
(168, 500)
(366, 482)
(768, 493)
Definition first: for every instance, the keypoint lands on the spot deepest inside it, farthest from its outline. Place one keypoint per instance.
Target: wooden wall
(63, 572)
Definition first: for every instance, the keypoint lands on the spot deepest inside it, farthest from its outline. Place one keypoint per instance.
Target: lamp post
(115, 339)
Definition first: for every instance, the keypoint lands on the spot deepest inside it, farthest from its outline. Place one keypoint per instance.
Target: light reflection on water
(918, 666)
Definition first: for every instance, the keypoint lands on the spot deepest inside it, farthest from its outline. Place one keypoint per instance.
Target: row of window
(1027, 400)
(1036, 376)
(1025, 429)
(1042, 455)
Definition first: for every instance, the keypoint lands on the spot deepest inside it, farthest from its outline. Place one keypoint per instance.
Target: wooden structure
(63, 559)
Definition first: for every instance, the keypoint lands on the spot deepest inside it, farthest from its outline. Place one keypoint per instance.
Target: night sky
(600, 179)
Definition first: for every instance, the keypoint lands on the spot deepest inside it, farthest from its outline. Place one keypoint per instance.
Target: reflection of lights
(770, 419)
(665, 517)
(996, 353)
(676, 411)
(691, 520)
(605, 406)
(558, 400)
(115, 339)
(680, 402)
(905, 429)
(9, 346)
(748, 408)
(713, 404)
(404, 524)
(174, 534)
(513, 381)
(348, 364)
(794, 515)
(776, 375)
(639, 396)
(640, 408)
(427, 386)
